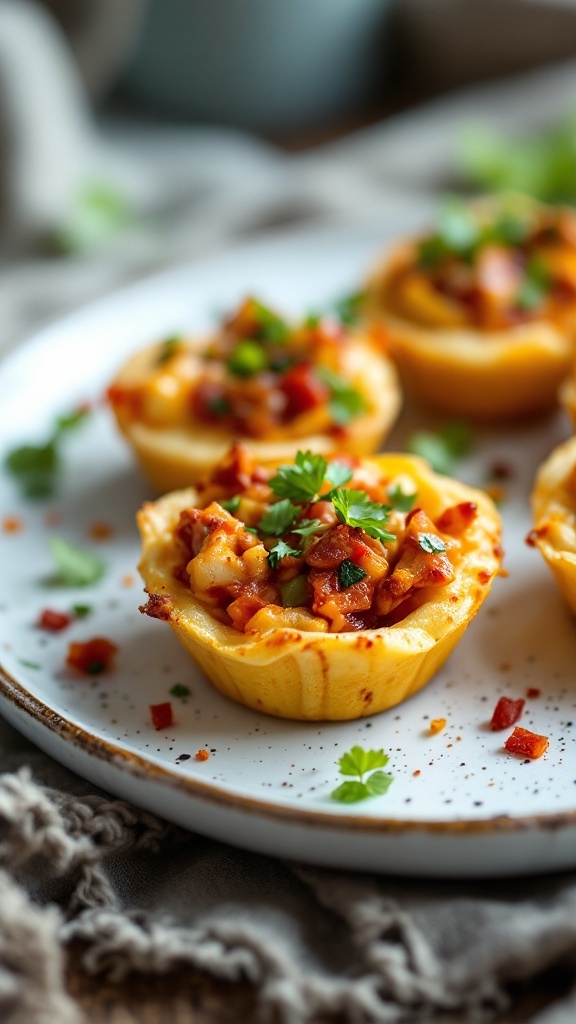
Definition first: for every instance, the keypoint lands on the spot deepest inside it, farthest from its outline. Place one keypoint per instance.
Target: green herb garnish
(400, 500)
(168, 350)
(356, 509)
(356, 763)
(279, 518)
(98, 212)
(36, 467)
(306, 527)
(535, 285)
(345, 402)
(28, 664)
(279, 551)
(247, 359)
(339, 473)
(430, 543)
(81, 610)
(75, 566)
(179, 691)
(271, 327)
(302, 481)
(349, 573)
(443, 448)
(348, 308)
(231, 504)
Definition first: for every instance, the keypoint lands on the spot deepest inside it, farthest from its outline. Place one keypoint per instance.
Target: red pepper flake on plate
(201, 755)
(161, 715)
(93, 657)
(526, 743)
(100, 531)
(506, 712)
(533, 692)
(53, 621)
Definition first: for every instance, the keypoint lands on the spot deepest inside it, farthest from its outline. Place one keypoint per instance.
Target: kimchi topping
(315, 545)
(490, 271)
(257, 376)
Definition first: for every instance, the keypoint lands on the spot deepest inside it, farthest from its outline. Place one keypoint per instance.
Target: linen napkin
(77, 864)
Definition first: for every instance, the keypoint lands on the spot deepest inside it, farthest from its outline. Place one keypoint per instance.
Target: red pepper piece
(93, 657)
(506, 712)
(526, 743)
(303, 389)
(53, 621)
(161, 715)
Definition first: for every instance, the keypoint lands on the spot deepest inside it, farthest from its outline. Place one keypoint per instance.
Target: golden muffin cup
(554, 510)
(174, 453)
(298, 673)
(461, 369)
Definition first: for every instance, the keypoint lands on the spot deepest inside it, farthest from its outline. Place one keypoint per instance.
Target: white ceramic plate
(459, 805)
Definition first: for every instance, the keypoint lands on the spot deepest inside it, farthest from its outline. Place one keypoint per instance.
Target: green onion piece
(247, 359)
(293, 592)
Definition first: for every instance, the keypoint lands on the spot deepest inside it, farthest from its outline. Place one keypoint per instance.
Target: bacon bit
(526, 743)
(53, 621)
(416, 773)
(533, 692)
(128, 580)
(12, 524)
(501, 470)
(100, 531)
(201, 755)
(161, 715)
(93, 657)
(506, 712)
(437, 724)
(159, 606)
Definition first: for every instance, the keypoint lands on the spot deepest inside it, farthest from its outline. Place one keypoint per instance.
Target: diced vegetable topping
(161, 715)
(92, 657)
(506, 712)
(36, 467)
(53, 621)
(267, 541)
(526, 743)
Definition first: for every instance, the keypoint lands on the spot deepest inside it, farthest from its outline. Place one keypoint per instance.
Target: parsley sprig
(303, 481)
(75, 566)
(443, 448)
(357, 762)
(279, 518)
(345, 402)
(279, 551)
(355, 508)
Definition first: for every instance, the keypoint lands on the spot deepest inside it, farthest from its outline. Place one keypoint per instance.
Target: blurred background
(138, 134)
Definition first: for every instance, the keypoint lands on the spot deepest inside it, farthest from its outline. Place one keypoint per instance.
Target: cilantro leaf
(430, 543)
(378, 783)
(307, 527)
(400, 500)
(339, 473)
(348, 308)
(35, 467)
(75, 566)
(350, 792)
(356, 509)
(346, 403)
(349, 573)
(231, 505)
(279, 551)
(302, 481)
(443, 448)
(357, 761)
(279, 518)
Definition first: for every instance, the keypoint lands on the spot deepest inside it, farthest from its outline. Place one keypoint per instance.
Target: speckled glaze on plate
(459, 805)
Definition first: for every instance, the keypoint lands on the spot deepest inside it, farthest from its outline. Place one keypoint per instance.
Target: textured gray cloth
(77, 864)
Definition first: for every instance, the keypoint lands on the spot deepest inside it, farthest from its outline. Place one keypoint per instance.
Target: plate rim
(140, 768)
